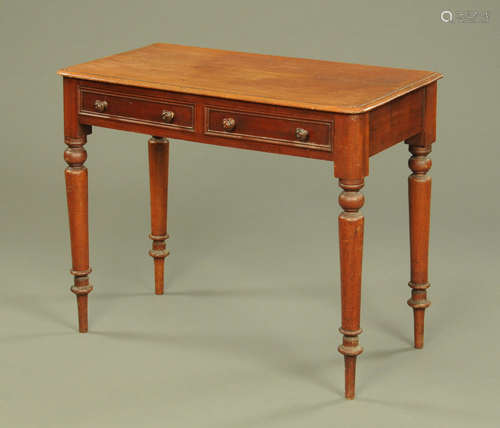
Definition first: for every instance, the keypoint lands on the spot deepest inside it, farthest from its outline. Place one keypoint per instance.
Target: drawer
(136, 109)
(269, 128)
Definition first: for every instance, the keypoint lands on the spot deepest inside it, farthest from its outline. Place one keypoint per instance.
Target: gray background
(246, 335)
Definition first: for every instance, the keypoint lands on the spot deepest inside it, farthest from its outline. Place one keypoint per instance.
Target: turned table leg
(158, 180)
(419, 193)
(77, 197)
(351, 225)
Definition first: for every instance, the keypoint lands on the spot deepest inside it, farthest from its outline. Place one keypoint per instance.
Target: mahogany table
(337, 112)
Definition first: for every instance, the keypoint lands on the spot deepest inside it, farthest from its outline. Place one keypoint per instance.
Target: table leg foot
(418, 328)
(82, 304)
(350, 376)
(159, 253)
(350, 349)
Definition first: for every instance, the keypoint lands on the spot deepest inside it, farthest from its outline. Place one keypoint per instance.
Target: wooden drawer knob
(167, 116)
(228, 123)
(100, 106)
(302, 134)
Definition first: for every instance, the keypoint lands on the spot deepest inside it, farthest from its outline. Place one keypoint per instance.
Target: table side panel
(396, 121)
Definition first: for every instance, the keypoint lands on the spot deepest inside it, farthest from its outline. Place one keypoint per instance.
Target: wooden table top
(293, 82)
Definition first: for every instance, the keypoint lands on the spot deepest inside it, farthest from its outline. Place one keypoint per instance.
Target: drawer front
(269, 128)
(137, 109)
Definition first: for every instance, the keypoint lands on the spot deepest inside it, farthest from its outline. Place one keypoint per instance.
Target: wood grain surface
(294, 82)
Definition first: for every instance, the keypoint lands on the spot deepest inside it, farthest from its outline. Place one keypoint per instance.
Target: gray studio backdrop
(247, 332)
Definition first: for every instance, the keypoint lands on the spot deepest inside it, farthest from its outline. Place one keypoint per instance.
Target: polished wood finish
(260, 139)
(76, 178)
(351, 228)
(276, 80)
(393, 122)
(130, 108)
(77, 198)
(158, 149)
(341, 113)
(419, 197)
(352, 151)
(255, 126)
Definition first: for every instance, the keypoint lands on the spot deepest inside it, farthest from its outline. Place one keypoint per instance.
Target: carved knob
(100, 106)
(302, 134)
(228, 123)
(167, 116)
